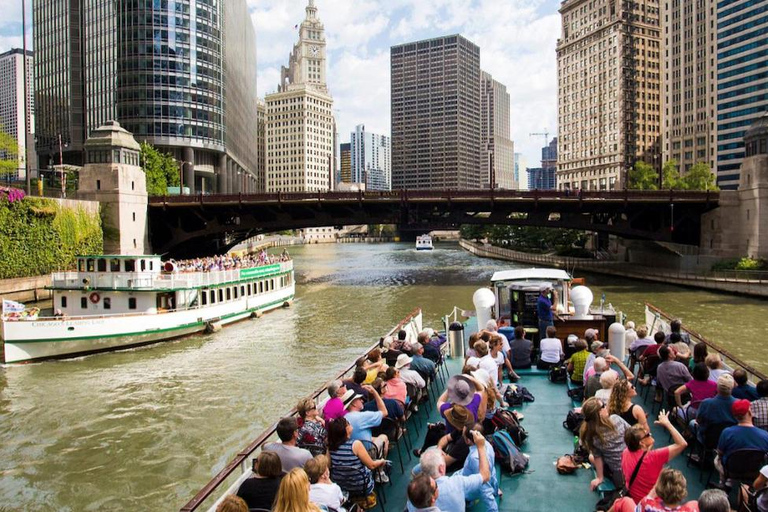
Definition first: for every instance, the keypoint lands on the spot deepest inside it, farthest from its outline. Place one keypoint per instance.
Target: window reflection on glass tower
(179, 74)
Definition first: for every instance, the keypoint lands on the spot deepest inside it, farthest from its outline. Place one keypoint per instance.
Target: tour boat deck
(540, 487)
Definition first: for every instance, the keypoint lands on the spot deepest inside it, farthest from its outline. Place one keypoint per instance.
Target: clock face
(314, 50)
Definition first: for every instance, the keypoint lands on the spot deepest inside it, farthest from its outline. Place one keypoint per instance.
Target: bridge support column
(189, 169)
(220, 170)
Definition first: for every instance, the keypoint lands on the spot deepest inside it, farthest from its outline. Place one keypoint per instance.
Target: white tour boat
(424, 243)
(115, 302)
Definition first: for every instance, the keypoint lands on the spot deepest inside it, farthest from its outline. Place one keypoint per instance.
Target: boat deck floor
(540, 488)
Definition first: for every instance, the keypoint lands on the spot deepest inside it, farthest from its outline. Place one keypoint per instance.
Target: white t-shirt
(473, 361)
(328, 495)
(488, 363)
(505, 347)
(551, 350)
(604, 395)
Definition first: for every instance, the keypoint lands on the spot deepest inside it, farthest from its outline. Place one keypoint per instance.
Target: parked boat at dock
(114, 302)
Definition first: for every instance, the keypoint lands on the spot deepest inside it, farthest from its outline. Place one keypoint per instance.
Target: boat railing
(153, 280)
(240, 462)
(658, 320)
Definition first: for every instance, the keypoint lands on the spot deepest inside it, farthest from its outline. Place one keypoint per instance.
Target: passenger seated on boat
(293, 495)
(593, 377)
(640, 443)
(521, 351)
(630, 334)
(760, 406)
(671, 374)
(431, 344)
(401, 343)
(421, 364)
(490, 489)
(577, 361)
(373, 365)
(649, 359)
(395, 411)
(312, 433)
(260, 490)
(675, 327)
(715, 410)
(493, 328)
(597, 349)
(453, 491)
(396, 388)
(471, 352)
(357, 381)
(322, 491)
(621, 404)
(363, 421)
(551, 350)
(641, 342)
(232, 503)
(334, 407)
(742, 436)
(291, 456)
(407, 375)
(491, 396)
(454, 445)
(465, 391)
(607, 380)
(667, 496)
(743, 389)
(716, 367)
(759, 484)
(422, 493)
(351, 464)
(603, 435)
(699, 389)
(715, 500)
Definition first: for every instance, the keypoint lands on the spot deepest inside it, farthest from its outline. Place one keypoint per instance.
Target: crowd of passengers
(230, 262)
(335, 452)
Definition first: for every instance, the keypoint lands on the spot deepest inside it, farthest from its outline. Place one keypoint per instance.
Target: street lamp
(61, 170)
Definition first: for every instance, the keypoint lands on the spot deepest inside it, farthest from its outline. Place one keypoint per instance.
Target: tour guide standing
(545, 310)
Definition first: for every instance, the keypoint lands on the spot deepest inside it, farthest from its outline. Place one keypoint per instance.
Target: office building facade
(345, 158)
(498, 149)
(688, 133)
(521, 164)
(179, 75)
(299, 124)
(545, 177)
(261, 138)
(742, 81)
(12, 105)
(609, 91)
(436, 115)
(370, 159)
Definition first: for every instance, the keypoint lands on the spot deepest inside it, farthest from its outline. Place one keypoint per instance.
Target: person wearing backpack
(454, 490)
(490, 490)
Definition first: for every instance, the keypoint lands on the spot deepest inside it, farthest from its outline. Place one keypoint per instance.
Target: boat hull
(26, 341)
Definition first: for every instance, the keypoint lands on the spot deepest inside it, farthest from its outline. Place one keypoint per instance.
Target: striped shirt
(348, 471)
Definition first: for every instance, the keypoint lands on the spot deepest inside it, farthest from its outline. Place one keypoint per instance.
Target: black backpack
(516, 396)
(505, 420)
(573, 421)
(576, 394)
(558, 374)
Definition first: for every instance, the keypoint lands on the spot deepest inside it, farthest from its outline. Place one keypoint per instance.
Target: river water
(144, 429)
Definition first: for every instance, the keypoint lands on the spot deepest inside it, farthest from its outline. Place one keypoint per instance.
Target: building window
(98, 184)
(131, 302)
(114, 265)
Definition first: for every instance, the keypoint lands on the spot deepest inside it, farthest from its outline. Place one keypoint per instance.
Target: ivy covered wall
(38, 236)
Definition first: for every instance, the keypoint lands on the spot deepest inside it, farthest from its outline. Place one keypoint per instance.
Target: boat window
(271, 284)
(130, 265)
(143, 265)
(229, 293)
(235, 291)
(151, 264)
(63, 301)
(114, 265)
(83, 302)
(242, 289)
(131, 302)
(107, 303)
(90, 265)
(81, 265)
(101, 265)
(249, 289)
(261, 286)
(221, 295)
(213, 296)
(204, 298)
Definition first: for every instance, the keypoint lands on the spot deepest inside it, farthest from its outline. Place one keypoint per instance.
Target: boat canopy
(544, 274)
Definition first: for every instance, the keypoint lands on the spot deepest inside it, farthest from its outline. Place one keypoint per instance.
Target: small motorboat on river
(424, 243)
(114, 302)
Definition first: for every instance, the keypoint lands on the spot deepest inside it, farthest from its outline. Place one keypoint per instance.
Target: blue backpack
(507, 453)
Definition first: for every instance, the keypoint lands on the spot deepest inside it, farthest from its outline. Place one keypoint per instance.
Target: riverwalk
(740, 282)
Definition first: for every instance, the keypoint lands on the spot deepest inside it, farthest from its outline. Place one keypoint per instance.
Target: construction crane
(545, 134)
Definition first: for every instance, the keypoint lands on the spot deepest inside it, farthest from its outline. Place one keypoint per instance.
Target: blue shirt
(423, 365)
(362, 422)
(745, 392)
(489, 490)
(544, 309)
(742, 438)
(715, 410)
(454, 491)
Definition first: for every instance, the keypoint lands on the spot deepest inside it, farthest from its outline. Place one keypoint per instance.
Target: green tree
(9, 154)
(699, 177)
(643, 177)
(161, 169)
(671, 176)
(472, 231)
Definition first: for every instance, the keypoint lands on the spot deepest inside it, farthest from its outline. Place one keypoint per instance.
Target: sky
(517, 40)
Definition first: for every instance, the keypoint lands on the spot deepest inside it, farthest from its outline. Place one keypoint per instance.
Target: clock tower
(308, 60)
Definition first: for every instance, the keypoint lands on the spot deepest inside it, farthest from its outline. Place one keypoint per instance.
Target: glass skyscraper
(179, 74)
(742, 80)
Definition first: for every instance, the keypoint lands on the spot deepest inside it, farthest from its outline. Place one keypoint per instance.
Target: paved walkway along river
(145, 429)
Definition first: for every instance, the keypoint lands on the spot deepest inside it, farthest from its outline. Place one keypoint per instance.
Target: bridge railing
(414, 195)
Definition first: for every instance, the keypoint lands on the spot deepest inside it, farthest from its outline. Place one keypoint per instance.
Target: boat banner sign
(247, 273)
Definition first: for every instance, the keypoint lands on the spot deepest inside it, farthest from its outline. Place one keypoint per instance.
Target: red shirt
(657, 505)
(649, 472)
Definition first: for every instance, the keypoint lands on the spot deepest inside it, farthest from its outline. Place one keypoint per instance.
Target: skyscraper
(520, 171)
(300, 124)
(345, 157)
(12, 105)
(498, 150)
(261, 137)
(370, 159)
(180, 75)
(436, 117)
(545, 177)
(688, 131)
(609, 96)
(742, 81)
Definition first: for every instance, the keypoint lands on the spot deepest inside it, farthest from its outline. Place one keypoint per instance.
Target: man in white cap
(406, 374)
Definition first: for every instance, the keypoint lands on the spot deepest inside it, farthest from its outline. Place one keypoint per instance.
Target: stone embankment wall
(732, 282)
